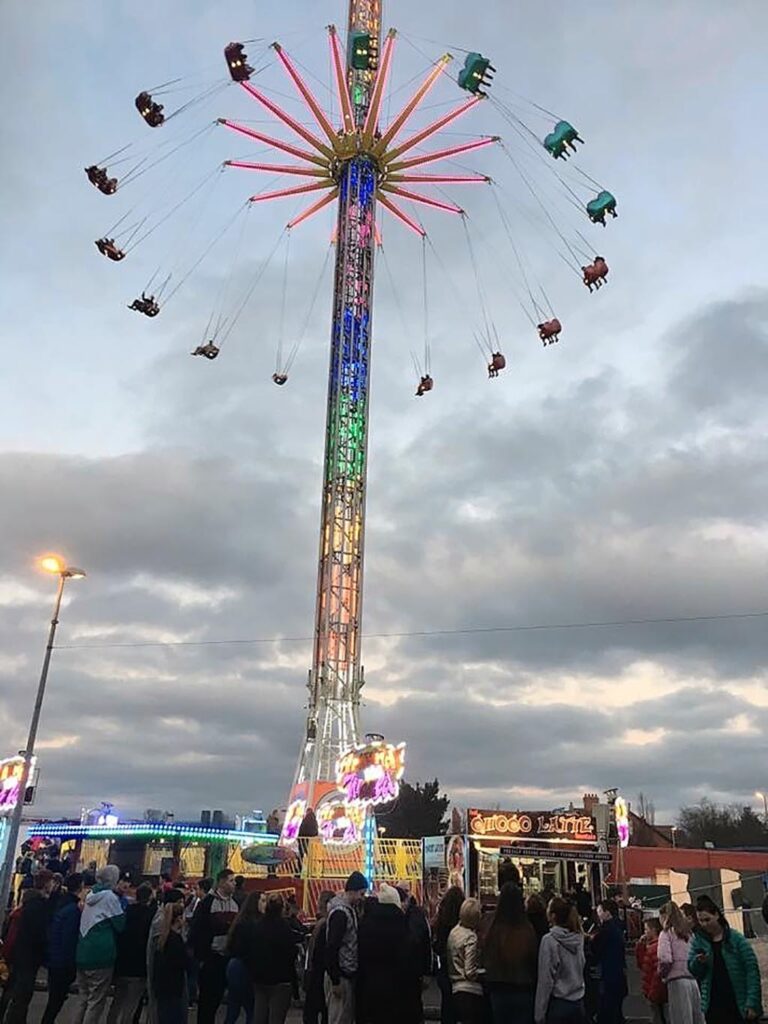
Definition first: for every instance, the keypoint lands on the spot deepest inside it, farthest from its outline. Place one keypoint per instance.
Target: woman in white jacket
(464, 965)
(682, 988)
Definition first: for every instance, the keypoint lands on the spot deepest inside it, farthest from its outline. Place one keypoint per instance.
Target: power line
(466, 631)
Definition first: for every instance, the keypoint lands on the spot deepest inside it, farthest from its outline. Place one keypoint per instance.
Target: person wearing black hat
(341, 950)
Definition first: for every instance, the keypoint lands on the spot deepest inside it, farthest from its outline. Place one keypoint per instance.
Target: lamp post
(57, 567)
(764, 798)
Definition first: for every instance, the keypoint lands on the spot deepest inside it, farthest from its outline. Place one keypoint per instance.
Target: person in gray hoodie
(560, 987)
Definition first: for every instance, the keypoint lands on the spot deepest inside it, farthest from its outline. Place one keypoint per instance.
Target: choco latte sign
(536, 825)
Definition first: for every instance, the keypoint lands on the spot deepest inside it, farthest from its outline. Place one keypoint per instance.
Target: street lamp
(57, 567)
(764, 798)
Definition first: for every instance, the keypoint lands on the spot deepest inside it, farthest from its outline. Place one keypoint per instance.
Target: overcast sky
(622, 474)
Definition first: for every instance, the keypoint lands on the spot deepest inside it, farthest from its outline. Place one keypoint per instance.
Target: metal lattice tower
(336, 677)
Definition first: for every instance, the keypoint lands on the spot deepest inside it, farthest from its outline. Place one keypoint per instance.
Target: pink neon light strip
(314, 208)
(309, 172)
(380, 85)
(299, 190)
(287, 119)
(306, 94)
(405, 193)
(443, 154)
(345, 100)
(431, 129)
(395, 210)
(285, 147)
(412, 105)
(442, 179)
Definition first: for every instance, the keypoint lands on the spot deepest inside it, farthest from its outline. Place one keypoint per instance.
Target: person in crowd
(239, 985)
(30, 947)
(210, 926)
(464, 965)
(315, 1008)
(131, 963)
(388, 967)
(726, 967)
(191, 904)
(583, 901)
(608, 949)
(239, 895)
(446, 920)
(684, 999)
(510, 955)
(101, 922)
(508, 872)
(420, 935)
(272, 963)
(536, 910)
(63, 936)
(647, 956)
(169, 976)
(341, 950)
(560, 984)
(169, 898)
(689, 913)
(10, 934)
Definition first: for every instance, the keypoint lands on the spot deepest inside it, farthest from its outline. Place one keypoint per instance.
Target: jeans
(94, 992)
(172, 1011)
(59, 983)
(511, 1006)
(22, 990)
(565, 1011)
(447, 1011)
(470, 1009)
(341, 1006)
(128, 996)
(610, 1007)
(212, 982)
(239, 992)
(271, 1003)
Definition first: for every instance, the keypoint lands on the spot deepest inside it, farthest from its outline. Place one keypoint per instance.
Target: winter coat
(608, 950)
(341, 940)
(561, 969)
(388, 965)
(654, 989)
(11, 933)
(213, 919)
(742, 966)
(271, 958)
(30, 950)
(464, 961)
(169, 974)
(421, 936)
(101, 922)
(132, 944)
(673, 956)
(64, 932)
(503, 970)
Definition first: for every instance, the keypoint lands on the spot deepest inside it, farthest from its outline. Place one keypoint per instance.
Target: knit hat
(357, 882)
(388, 894)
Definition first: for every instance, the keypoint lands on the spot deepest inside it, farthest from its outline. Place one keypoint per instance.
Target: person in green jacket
(101, 922)
(725, 965)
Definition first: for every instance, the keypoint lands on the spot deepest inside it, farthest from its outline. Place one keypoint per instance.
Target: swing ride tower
(336, 676)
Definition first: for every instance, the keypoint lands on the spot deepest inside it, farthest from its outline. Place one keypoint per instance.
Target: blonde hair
(470, 914)
(171, 913)
(674, 920)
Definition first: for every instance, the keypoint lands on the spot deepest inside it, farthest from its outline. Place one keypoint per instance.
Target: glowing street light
(58, 567)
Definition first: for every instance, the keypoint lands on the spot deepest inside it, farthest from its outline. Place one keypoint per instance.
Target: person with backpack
(560, 984)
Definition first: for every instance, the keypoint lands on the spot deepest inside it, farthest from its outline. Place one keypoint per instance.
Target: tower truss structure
(359, 165)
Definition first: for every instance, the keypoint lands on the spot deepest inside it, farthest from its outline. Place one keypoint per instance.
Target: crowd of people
(507, 967)
(161, 949)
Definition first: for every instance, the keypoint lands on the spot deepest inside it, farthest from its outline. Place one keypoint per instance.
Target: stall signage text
(538, 825)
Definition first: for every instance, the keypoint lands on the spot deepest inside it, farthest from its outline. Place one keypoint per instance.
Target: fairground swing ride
(362, 164)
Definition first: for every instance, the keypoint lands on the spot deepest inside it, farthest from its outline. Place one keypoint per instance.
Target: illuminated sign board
(621, 811)
(341, 822)
(293, 819)
(536, 826)
(11, 771)
(371, 774)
